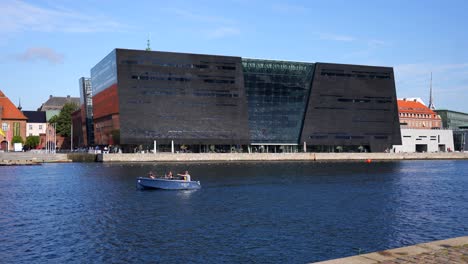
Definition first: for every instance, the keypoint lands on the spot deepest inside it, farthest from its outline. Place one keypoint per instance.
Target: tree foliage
(17, 139)
(32, 141)
(64, 120)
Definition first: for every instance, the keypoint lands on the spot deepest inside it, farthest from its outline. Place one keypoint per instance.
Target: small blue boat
(167, 184)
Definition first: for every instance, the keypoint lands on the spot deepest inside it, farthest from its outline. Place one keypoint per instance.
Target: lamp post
(71, 138)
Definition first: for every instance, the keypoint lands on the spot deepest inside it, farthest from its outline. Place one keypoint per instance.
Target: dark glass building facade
(194, 99)
(458, 122)
(277, 93)
(86, 107)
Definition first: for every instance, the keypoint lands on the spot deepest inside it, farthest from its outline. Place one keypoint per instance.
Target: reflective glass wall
(277, 93)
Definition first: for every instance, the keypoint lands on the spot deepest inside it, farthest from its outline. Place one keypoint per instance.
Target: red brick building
(13, 123)
(414, 114)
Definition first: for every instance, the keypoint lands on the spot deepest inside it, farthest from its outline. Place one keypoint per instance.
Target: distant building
(453, 119)
(421, 128)
(415, 114)
(86, 108)
(36, 124)
(13, 123)
(425, 140)
(54, 104)
(458, 122)
(210, 102)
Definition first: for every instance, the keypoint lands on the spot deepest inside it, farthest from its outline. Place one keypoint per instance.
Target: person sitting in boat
(186, 176)
(152, 175)
(169, 175)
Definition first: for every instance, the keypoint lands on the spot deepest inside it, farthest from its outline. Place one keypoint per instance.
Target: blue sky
(46, 46)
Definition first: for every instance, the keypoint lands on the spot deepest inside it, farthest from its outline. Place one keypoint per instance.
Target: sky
(47, 45)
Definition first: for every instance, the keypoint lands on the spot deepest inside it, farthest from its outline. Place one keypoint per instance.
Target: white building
(36, 123)
(425, 140)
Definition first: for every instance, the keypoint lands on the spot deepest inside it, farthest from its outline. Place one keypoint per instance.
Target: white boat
(167, 184)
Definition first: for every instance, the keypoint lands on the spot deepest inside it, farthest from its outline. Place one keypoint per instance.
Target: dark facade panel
(277, 93)
(188, 98)
(86, 101)
(352, 105)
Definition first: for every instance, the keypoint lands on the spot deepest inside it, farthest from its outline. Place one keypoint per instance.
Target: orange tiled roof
(10, 111)
(405, 106)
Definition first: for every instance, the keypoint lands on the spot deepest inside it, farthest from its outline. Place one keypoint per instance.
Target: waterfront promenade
(31, 158)
(227, 157)
(454, 251)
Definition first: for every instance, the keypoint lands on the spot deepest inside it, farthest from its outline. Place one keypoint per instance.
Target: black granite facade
(189, 98)
(224, 100)
(352, 106)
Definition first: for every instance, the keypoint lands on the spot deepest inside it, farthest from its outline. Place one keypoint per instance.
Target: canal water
(273, 212)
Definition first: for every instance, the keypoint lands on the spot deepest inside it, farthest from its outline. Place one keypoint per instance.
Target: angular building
(208, 101)
(86, 111)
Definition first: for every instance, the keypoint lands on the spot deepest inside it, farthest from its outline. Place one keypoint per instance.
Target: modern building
(209, 102)
(425, 140)
(54, 104)
(415, 114)
(36, 123)
(458, 122)
(453, 119)
(86, 108)
(13, 123)
(421, 128)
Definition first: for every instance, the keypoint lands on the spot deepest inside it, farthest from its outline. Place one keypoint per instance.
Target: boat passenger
(169, 175)
(186, 176)
(152, 175)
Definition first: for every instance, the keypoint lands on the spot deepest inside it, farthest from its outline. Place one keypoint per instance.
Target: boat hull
(164, 184)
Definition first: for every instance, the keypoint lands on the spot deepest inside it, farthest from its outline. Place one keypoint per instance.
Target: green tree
(32, 141)
(17, 139)
(63, 121)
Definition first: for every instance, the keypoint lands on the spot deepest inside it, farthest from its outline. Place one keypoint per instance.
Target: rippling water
(266, 213)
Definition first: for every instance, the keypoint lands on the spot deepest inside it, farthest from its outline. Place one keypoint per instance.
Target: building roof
(450, 111)
(35, 116)
(417, 99)
(57, 103)
(9, 110)
(413, 106)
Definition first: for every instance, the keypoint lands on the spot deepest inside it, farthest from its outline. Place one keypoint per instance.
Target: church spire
(19, 105)
(431, 102)
(148, 46)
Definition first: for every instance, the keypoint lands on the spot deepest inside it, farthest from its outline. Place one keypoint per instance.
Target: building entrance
(421, 147)
(4, 145)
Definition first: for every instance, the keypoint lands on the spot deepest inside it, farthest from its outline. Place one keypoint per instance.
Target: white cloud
(41, 54)
(335, 37)
(17, 16)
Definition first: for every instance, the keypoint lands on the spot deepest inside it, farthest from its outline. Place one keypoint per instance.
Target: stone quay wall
(239, 157)
(25, 158)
